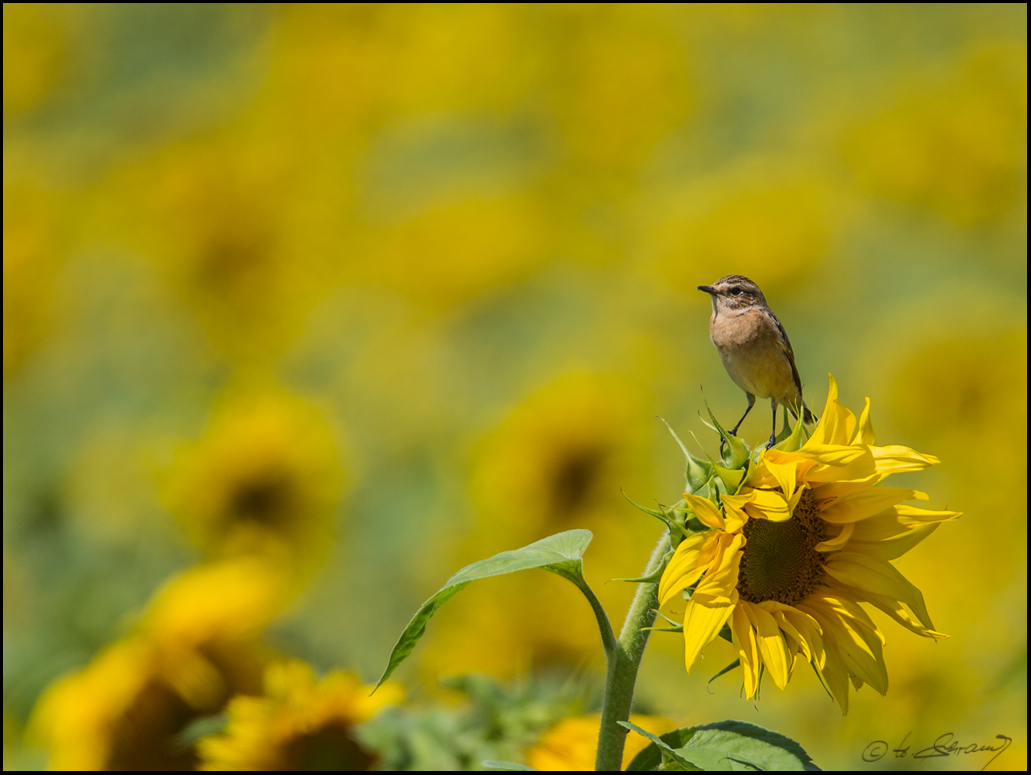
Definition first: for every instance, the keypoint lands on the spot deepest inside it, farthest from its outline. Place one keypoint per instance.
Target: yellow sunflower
(572, 743)
(789, 557)
(264, 480)
(300, 723)
(196, 646)
(552, 464)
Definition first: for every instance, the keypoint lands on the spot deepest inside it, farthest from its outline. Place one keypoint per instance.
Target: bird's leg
(733, 432)
(751, 403)
(773, 433)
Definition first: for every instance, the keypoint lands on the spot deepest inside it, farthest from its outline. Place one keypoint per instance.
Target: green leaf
(670, 758)
(727, 745)
(684, 513)
(561, 553)
(651, 756)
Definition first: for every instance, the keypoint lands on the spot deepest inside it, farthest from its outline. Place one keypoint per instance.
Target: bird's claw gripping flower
(788, 558)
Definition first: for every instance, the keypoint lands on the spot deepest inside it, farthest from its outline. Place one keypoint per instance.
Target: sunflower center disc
(780, 561)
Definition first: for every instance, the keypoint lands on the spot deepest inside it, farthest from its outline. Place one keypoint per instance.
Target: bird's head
(733, 293)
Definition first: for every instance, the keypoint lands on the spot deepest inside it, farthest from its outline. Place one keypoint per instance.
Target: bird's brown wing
(788, 351)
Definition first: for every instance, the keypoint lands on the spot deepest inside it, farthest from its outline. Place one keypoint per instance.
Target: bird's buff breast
(751, 351)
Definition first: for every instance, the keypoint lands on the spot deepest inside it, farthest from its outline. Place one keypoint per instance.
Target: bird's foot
(723, 440)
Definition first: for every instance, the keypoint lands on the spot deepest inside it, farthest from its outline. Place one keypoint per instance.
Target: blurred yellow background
(370, 292)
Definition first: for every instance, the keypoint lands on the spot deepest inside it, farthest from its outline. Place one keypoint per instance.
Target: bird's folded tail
(808, 417)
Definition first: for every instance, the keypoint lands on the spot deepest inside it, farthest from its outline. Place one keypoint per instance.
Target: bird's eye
(735, 291)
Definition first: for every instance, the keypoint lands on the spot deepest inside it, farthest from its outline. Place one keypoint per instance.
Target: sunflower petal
(838, 487)
(871, 577)
(734, 514)
(809, 632)
(735, 506)
(744, 640)
(785, 475)
(894, 532)
(703, 620)
(918, 514)
(892, 548)
(848, 630)
(864, 655)
(833, 455)
(770, 504)
(837, 424)
(837, 602)
(705, 510)
(898, 521)
(895, 458)
(833, 544)
(691, 559)
(865, 434)
(866, 503)
(720, 582)
(791, 633)
(903, 615)
(762, 477)
(835, 675)
(772, 646)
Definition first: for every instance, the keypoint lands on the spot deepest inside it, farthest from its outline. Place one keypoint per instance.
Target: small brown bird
(754, 348)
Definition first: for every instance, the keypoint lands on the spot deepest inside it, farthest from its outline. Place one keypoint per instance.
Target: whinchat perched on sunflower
(754, 348)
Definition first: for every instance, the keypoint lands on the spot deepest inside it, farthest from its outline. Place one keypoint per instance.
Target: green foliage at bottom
(725, 745)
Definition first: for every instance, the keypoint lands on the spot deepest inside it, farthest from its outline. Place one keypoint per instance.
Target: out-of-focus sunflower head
(196, 646)
(775, 217)
(216, 610)
(33, 248)
(39, 53)
(954, 141)
(264, 479)
(959, 407)
(214, 216)
(559, 457)
(572, 743)
(624, 86)
(557, 461)
(465, 247)
(300, 723)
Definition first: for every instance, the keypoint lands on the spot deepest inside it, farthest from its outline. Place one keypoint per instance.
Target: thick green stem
(624, 662)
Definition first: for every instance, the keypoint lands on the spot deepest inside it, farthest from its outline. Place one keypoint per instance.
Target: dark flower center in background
(330, 748)
(144, 736)
(264, 498)
(573, 480)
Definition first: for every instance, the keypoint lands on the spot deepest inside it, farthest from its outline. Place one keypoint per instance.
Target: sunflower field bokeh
(306, 307)
(299, 724)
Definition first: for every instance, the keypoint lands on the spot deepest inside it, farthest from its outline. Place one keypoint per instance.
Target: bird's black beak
(708, 289)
